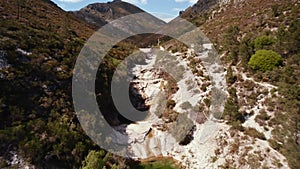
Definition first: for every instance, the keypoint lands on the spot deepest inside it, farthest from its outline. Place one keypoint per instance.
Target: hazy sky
(164, 9)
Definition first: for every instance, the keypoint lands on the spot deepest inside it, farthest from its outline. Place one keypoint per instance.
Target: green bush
(254, 133)
(157, 164)
(275, 10)
(230, 77)
(263, 42)
(265, 60)
(274, 144)
(94, 160)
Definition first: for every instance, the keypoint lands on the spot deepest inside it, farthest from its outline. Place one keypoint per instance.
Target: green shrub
(236, 125)
(94, 160)
(275, 10)
(265, 60)
(230, 77)
(254, 133)
(159, 164)
(274, 144)
(263, 42)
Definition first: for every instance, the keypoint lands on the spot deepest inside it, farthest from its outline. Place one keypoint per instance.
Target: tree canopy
(265, 60)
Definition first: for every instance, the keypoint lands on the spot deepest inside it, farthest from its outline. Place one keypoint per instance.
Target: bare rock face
(170, 131)
(137, 99)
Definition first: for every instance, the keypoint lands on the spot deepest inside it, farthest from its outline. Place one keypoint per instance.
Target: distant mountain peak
(99, 14)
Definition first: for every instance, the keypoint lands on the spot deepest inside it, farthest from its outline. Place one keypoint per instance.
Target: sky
(163, 9)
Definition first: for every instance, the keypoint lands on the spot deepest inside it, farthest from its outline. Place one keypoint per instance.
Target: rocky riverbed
(210, 141)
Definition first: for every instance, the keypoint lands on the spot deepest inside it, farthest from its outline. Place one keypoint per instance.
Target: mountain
(99, 14)
(200, 7)
(259, 128)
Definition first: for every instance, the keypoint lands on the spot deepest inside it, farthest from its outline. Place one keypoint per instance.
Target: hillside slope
(44, 14)
(267, 101)
(39, 44)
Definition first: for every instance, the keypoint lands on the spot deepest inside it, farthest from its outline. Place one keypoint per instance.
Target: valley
(231, 102)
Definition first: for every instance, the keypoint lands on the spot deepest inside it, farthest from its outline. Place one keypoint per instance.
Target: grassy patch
(157, 164)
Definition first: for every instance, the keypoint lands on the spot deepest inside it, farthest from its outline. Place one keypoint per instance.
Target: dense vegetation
(37, 118)
(265, 60)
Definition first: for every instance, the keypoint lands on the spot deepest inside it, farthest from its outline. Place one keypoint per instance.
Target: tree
(230, 77)
(265, 60)
(231, 37)
(246, 49)
(231, 108)
(231, 42)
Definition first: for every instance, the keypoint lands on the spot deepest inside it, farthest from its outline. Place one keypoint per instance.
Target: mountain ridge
(99, 14)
